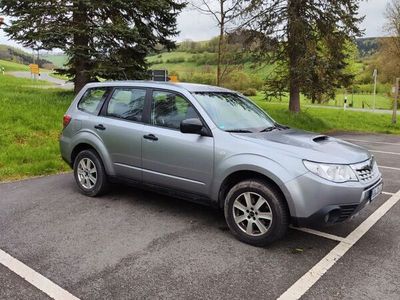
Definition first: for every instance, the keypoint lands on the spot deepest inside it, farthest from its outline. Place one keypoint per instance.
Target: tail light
(66, 120)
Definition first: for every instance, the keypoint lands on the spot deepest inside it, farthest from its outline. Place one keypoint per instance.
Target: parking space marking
(301, 286)
(37, 280)
(384, 152)
(363, 141)
(390, 168)
(387, 193)
(319, 233)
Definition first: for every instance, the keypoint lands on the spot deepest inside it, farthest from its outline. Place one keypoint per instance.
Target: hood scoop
(320, 138)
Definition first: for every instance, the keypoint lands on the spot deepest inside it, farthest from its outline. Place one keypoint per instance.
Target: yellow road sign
(34, 68)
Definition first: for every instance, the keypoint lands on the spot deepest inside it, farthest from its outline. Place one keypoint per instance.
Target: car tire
(89, 173)
(256, 212)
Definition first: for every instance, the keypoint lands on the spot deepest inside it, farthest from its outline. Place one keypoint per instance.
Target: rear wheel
(89, 173)
(256, 213)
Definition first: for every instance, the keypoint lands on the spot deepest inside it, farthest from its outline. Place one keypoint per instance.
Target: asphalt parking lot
(134, 244)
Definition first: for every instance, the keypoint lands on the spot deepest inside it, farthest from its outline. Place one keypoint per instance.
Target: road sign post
(375, 75)
(396, 101)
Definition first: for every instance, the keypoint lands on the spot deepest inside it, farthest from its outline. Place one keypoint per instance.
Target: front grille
(366, 171)
(346, 211)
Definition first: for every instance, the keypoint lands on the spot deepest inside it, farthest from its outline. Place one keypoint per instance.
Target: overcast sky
(196, 26)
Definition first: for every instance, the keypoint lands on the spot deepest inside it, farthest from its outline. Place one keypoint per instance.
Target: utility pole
(396, 100)
(375, 75)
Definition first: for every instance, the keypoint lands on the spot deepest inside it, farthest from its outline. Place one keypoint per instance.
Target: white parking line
(363, 141)
(387, 193)
(319, 233)
(384, 152)
(390, 168)
(39, 281)
(301, 286)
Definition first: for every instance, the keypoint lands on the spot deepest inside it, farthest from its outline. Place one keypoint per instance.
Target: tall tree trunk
(220, 42)
(294, 100)
(295, 53)
(81, 45)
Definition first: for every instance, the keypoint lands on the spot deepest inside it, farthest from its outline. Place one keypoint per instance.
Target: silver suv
(212, 145)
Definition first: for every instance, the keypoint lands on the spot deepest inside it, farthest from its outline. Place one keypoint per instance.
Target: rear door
(121, 129)
(171, 158)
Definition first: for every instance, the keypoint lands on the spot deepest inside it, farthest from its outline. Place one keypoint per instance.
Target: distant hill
(12, 54)
(58, 59)
(368, 46)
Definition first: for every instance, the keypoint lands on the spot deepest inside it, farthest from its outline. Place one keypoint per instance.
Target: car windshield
(234, 113)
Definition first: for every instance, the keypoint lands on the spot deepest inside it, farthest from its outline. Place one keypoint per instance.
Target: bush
(203, 78)
(156, 62)
(175, 60)
(206, 59)
(241, 81)
(250, 92)
(369, 88)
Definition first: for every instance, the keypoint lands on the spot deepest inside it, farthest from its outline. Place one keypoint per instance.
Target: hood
(310, 146)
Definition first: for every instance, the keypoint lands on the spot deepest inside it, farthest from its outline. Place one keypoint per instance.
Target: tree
(224, 12)
(387, 59)
(106, 39)
(306, 41)
(391, 45)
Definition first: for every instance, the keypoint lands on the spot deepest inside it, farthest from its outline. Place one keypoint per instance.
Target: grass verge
(31, 121)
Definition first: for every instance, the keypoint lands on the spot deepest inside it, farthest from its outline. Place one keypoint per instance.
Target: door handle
(151, 137)
(100, 127)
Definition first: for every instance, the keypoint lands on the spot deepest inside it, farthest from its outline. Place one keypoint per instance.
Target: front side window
(170, 109)
(92, 100)
(127, 103)
(231, 112)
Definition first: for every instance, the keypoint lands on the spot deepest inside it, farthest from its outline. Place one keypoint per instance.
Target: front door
(171, 158)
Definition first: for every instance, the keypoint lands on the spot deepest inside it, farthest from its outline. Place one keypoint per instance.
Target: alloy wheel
(252, 213)
(87, 173)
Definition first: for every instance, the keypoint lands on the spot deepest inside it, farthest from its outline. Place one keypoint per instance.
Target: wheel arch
(241, 175)
(85, 143)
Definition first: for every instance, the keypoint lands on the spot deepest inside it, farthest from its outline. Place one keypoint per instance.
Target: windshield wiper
(280, 126)
(275, 126)
(270, 128)
(239, 131)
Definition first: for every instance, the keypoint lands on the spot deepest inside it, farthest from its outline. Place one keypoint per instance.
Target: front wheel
(89, 174)
(256, 212)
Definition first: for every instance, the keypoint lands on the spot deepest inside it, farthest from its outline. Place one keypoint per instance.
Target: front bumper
(318, 202)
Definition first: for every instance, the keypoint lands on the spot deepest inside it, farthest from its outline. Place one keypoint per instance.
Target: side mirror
(192, 126)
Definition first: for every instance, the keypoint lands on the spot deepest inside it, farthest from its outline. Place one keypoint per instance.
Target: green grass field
(329, 120)
(359, 100)
(10, 66)
(31, 121)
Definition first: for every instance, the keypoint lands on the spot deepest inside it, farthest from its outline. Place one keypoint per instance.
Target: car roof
(176, 86)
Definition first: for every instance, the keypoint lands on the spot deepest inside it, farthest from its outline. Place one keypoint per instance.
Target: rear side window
(92, 100)
(127, 104)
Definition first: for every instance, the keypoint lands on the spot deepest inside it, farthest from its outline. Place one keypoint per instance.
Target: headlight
(335, 173)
